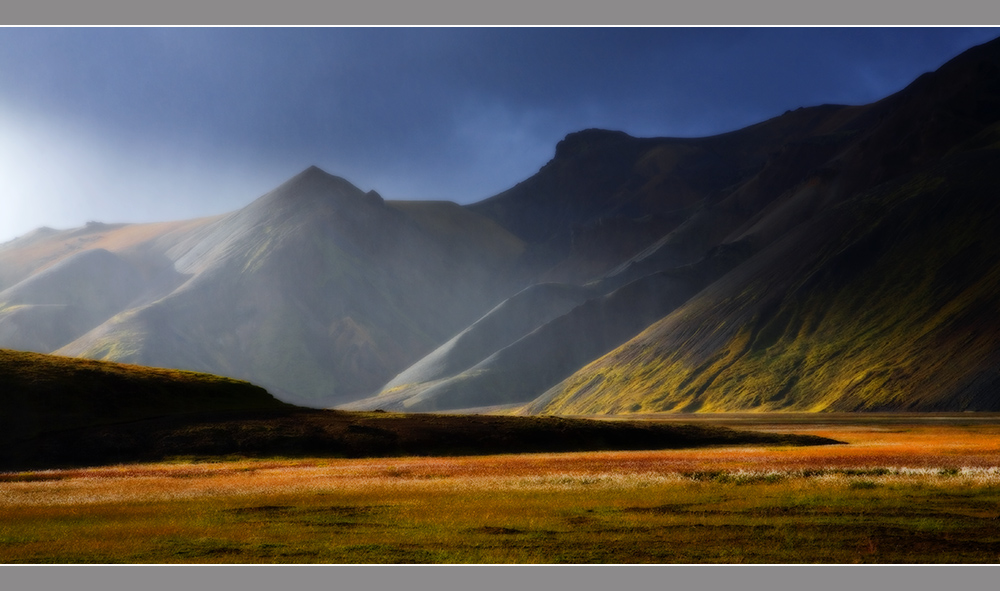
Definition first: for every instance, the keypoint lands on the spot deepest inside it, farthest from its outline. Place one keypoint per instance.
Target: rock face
(833, 258)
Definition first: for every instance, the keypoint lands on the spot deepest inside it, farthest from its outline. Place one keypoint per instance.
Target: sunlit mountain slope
(317, 290)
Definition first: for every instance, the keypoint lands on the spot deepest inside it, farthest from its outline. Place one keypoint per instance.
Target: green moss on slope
(892, 307)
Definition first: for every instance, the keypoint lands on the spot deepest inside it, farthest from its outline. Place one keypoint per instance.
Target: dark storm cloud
(415, 113)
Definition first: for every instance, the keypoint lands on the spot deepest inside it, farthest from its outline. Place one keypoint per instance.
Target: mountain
(505, 324)
(832, 258)
(317, 291)
(886, 302)
(772, 195)
(606, 197)
(875, 289)
(462, 375)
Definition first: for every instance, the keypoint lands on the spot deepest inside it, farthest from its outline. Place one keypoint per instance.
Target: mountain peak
(581, 142)
(315, 185)
(316, 174)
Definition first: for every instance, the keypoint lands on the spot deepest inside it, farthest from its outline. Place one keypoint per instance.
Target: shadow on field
(299, 432)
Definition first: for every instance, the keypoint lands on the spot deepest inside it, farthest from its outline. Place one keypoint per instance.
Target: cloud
(164, 123)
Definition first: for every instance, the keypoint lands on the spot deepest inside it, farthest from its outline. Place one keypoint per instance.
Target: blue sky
(145, 124)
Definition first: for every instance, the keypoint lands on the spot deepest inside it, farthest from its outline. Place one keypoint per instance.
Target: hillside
(885, 303)
(45, 395)
(605, 197)
(59, 411)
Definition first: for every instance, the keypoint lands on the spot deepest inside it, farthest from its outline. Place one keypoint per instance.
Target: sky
(156, 124)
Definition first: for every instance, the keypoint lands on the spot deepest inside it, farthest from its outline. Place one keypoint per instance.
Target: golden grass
(910, 448)
(897, 492)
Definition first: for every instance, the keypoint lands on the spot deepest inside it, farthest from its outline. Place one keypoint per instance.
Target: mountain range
(834, 258)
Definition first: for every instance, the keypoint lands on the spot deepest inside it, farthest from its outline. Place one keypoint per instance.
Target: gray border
(497, 577)
(510, 12)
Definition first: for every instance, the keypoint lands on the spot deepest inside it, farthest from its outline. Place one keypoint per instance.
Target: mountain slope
(66, 300)
(887, 302)
(847, 152)
(481, 368)
(505, 324)
(606, 196)
(317, 291)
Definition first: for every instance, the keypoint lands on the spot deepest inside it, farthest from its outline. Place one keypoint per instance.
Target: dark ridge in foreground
(330, 433)
(66, 412)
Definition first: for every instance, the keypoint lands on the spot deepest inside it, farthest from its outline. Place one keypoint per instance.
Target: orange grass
(905, 446)
(895, 492)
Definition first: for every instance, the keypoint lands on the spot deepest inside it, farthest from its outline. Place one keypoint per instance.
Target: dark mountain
(877, 289)
(776, 185)
(607, 196)
(886, 302)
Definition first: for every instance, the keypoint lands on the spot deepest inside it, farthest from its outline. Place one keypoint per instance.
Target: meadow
(902, 489)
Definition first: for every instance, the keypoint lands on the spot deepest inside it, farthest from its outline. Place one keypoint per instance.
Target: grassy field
(923, 489)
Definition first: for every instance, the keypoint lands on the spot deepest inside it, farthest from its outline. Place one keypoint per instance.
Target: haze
(130, 125)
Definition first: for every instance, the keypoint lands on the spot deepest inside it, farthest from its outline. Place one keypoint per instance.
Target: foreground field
(914, 489)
